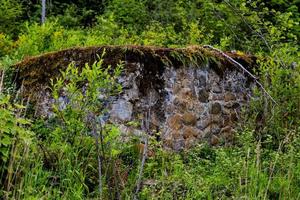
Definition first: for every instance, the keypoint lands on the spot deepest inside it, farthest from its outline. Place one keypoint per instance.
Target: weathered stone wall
(192, 104)
(188, 102)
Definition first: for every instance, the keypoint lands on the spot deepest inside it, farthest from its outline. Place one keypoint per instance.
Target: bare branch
(243, 68)
(43, 18)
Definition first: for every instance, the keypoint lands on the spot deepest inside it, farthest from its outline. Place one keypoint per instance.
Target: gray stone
(121, 110)
(202, 124)
(202, 81)
(216, 88)
(179, 144)
(208, 131)
(215, 130)
(216, 97)
(63, 102)
(132, 94)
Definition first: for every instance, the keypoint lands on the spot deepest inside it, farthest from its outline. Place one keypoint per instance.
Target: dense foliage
(59, 158)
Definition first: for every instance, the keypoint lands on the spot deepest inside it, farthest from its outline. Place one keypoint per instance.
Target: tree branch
(243, 68)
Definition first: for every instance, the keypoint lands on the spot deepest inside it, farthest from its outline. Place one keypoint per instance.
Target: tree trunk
(43, 19)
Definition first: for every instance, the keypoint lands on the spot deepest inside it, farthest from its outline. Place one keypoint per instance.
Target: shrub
(15, 141)
(10, 12)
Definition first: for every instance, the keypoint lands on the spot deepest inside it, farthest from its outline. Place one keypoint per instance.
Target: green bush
(15, 141)
(6, 45)
(131, 13)
(10, 12)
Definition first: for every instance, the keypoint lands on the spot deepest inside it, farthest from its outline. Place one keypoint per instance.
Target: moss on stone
(37, 71)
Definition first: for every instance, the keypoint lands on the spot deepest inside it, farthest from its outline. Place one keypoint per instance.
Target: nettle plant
(81, 97)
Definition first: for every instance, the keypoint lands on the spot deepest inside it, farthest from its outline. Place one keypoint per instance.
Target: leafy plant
(10, 12)
(15, 139)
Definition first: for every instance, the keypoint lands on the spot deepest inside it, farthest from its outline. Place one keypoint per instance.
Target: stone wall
(187, 102)
(192, 104)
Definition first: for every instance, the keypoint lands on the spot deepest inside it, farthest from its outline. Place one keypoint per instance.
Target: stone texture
(121, 110)
(189, 132)
(176, 134)
(202, 80)
(190, 142)
(188, 104)
(168, 142)
(154, 119)
(189, 118)
(229, 97)
(175, 122)
(232, 105)
(179, 144)
(214, 140)
(203, 95)
(227, 129)
(216, 97)
(186, 93)
(216, 88)
(233, 117)
(215, 108)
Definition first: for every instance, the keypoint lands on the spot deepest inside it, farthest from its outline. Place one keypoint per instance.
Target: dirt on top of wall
(38, 70)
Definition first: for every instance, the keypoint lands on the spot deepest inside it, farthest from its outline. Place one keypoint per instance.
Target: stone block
(202, 81)
(198, 109)
(227, 132)
(178, 144)
(209, 120)
(189, 132)
(176, 88)
(216, 97)
(214, 140)
(209, 130)
(215, 108)
(190, 142)
(168, 142)
(229, 97)
(175, 134)
(186, 93)
(175, 122)
(226, 120)
(154, 119)
(203, 95)
(189, 118)
(180, 104)
(121, 110)
(216, 88)
(131, 94)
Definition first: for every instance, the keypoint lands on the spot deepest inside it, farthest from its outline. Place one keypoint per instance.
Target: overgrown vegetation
(72, 156)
